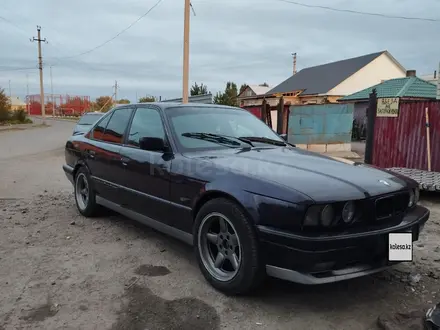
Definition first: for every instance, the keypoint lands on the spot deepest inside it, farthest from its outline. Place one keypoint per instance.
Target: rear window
(89, 119)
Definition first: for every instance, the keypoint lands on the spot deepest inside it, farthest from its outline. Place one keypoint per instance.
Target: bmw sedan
(250, 203)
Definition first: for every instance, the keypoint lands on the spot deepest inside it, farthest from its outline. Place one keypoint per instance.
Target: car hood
(320, 177)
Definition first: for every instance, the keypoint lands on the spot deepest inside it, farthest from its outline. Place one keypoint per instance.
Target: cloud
(240, 40)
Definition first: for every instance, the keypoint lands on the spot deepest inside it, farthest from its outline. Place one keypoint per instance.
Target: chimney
(411, 73)
(435, 74)
(294, 63)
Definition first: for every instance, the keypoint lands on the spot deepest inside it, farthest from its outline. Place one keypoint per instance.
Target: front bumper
(68, 170)
(331, 258)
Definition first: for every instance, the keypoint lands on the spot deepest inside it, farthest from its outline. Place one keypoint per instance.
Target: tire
(86, 206)
(210, 242)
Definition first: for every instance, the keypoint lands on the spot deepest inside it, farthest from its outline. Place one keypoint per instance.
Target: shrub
(19, 115)
(5, 115)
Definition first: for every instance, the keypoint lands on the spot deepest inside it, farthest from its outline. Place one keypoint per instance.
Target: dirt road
(59, 270)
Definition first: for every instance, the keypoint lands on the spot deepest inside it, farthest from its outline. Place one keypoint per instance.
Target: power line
(117, 35)
(17, 69)
(13, 24)
(360, 12)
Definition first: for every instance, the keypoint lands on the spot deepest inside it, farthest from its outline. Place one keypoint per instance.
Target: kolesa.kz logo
(400, 247)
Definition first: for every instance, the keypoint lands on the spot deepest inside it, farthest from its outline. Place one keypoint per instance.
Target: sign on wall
(388, 107)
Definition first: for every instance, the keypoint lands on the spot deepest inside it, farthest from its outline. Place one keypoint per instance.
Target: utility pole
(10, 93)
(185, 82)
(27, 93)
(40, 66)
(371, 119)
(294, 63)
(51, 93)
(116, 91)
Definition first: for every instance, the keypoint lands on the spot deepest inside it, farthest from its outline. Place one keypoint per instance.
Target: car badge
(384, 182)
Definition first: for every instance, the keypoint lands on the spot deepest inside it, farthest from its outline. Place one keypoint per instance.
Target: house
(329, 82)
(253, 95)
(409, 88)
(251, 99)
(16, 103)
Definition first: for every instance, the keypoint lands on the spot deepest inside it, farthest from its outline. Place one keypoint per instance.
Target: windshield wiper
(264, 140)
(217, 138)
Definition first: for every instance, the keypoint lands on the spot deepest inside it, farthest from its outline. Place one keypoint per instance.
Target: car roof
(93, 113)
(167, 105)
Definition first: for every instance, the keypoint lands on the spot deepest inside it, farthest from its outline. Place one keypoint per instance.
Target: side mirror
(152, 144)
(284, 136)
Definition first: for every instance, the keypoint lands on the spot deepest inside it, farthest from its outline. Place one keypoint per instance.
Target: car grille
(391, 206)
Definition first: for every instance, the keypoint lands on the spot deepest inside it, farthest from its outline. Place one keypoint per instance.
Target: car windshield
(188, 123)
(89, 119)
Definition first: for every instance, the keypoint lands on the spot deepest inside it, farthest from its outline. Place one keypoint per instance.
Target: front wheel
(227, 248)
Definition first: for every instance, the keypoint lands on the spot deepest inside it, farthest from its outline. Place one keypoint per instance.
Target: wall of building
(258, 101)
(381, 68)
(312, 99)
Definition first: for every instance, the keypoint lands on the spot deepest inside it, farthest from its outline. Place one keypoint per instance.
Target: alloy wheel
(219, 247)
(82, 191)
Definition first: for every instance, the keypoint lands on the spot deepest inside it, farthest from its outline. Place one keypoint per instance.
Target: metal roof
(399, 87)
(259, 90)
(322, 78)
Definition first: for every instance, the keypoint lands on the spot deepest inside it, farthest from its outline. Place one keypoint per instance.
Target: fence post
(268, 116)
(371, 119)
(263, 110)
(280, 113)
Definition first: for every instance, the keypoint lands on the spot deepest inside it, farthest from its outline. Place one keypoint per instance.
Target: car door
(103, 155)
(147, 173)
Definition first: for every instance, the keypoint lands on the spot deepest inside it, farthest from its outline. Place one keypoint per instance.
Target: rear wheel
(84, 194)
(227, 248)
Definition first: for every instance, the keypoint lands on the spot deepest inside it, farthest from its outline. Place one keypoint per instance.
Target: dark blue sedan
(250, 203)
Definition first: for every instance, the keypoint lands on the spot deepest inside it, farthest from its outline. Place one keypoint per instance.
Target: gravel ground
(59, 270)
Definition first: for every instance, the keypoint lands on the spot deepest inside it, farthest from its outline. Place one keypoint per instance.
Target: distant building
(253, 95)
(408, 88)
(16, 103)
(326, 83)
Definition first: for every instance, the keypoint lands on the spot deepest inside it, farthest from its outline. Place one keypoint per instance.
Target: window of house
(146, 123)
(117, 125)
(98, 131)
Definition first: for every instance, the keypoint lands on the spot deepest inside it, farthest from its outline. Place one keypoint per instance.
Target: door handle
(125, 161)
(91, 153)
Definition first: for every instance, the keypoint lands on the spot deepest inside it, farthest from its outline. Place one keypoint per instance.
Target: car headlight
(327, 215)
(348, 212)
(412, 197)
(312, 216)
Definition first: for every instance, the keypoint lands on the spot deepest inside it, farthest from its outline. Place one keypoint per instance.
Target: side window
(117, 125)
(98, 131)
(146, 123)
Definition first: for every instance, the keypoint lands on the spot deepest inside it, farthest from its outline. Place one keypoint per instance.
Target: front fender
(262, 210)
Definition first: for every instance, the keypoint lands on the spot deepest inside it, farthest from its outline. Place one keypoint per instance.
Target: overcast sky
(246, 41)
